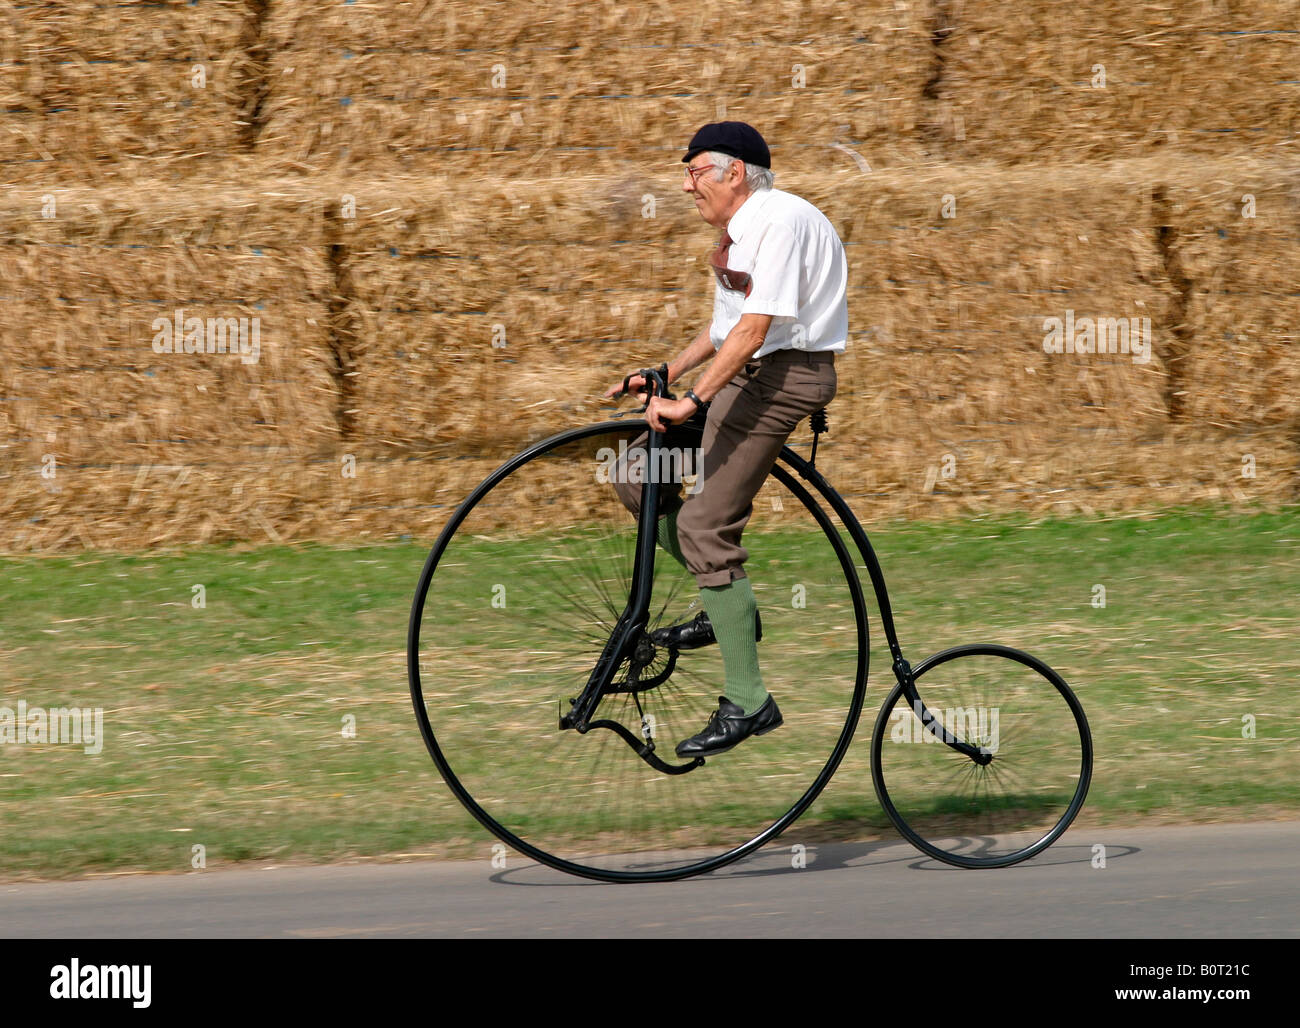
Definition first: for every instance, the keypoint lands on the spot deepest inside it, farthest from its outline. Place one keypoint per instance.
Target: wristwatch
(690, 395)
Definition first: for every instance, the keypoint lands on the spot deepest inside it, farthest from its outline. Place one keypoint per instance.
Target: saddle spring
(819, 423)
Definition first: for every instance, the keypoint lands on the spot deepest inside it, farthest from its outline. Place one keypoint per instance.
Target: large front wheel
(1020, 794)
(516, 601)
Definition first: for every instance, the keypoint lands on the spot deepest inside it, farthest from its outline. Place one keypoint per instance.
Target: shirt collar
(746, 213)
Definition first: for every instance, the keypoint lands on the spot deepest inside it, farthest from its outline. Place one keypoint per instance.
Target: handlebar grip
(659, 376)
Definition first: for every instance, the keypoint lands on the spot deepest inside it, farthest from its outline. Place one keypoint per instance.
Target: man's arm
(696, 353)
(742, 342)
(738, 349)
(700, 350)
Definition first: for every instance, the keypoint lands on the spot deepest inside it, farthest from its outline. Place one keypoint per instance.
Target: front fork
(632, 622)
(630, 628)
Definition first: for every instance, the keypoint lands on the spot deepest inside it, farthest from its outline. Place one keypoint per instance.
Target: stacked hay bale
(961, 280)
(958, 279)
(86, 87)
(444, 87)
(1047, 81)
(1235, 245)
(491, 313)
(159, 353)
(490, 231)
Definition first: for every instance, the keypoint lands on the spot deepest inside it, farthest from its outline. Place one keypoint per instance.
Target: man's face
(716, 201)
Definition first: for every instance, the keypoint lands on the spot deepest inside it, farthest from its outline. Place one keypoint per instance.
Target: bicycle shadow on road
(879, 853)
(789, 857)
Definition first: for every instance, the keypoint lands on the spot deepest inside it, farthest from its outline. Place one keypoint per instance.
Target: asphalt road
(1207, 881)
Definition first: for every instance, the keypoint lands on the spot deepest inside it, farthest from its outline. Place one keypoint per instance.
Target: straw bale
(243, 207)
(974, 292)
(99, 30)
(477, 216)
(365, 86)
(960, 302)
(96, 82)
(1016, 82)
(494, 380)
(389, 355)
(280, 498)
(1237, 239)
(83, 379)
(453, 27)
(276, 498)
(86, 397)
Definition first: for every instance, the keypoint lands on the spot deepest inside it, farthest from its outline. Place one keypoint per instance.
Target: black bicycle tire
(1051, 676)
(503, 833)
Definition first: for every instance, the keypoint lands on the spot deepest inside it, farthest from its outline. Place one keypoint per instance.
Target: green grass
(223, 723)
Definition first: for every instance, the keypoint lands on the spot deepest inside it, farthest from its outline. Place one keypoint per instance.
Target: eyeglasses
(695, 172)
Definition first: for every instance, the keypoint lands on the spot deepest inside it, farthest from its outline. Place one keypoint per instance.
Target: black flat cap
(734, 138)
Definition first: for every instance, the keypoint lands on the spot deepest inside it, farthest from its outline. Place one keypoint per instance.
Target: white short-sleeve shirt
(796, 264)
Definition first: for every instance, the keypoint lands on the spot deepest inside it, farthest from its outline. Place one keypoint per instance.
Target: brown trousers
(748, 423)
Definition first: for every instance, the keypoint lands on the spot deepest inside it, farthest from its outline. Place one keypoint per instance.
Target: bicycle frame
(902, 669)
(632, 622)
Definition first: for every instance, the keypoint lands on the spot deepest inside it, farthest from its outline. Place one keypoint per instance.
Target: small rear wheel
(1037, 761)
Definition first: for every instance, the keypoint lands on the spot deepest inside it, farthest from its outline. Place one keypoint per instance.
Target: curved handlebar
(656, 380)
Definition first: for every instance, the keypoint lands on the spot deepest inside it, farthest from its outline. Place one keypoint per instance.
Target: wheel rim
(511, 612)
(1026, 796)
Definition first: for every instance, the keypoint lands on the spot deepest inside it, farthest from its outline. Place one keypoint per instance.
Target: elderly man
(779, 317)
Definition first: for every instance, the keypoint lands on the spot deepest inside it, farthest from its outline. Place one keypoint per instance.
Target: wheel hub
(648, 667)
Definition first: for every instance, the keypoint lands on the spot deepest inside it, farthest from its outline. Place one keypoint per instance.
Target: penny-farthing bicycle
(553, 716)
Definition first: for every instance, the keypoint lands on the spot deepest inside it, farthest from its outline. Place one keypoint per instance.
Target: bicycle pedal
(696, 634)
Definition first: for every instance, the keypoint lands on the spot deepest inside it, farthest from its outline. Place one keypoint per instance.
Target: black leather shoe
(691, 635)
(729, 726)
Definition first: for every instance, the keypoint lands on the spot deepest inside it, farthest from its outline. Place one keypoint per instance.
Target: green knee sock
(666, 533)
(731, 609)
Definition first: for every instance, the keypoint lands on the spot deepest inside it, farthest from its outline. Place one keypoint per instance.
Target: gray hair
(755, 177)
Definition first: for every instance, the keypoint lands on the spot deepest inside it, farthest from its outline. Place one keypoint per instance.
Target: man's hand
(661, 413)
(635, 387)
